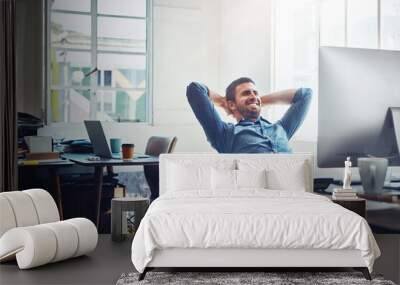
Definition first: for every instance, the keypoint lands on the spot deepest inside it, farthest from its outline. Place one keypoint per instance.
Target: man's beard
(248, 114)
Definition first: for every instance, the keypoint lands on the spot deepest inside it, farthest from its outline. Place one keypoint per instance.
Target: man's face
(247, 101)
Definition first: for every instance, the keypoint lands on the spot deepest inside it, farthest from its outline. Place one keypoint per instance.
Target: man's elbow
(308, 93)
(303, 94)
(195, 89)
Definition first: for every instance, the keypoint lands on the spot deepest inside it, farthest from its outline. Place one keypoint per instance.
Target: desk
(53, 171)
(82, 159)
(357, 206)
(383, 209)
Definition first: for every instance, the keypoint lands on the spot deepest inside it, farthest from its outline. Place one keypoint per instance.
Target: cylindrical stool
(118, 207)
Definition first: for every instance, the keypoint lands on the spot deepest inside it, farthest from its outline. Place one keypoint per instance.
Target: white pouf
(31, 232)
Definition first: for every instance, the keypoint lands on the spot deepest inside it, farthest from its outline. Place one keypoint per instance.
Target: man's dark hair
(230, 90)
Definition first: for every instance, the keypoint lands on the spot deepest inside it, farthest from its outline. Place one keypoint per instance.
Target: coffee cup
(372, 172)
(128, 150)
(115, 144)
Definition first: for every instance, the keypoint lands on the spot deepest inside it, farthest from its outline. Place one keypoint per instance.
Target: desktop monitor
(358, 105)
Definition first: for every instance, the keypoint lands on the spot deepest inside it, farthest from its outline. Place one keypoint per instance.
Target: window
(98, 60)
(332, 25)
(362, 23)
(390, 26)
(295, 56)
(300, 27)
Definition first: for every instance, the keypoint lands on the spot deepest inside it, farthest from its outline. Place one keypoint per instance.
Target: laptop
(98, 140)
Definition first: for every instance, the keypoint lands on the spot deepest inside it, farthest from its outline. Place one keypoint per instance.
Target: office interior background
(128, 62)
(143, 66)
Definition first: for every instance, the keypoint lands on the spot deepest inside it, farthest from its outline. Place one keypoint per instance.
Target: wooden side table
(118, 207)
(357, 206)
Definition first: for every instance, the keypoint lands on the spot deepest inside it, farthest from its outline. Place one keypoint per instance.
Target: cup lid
(128, 145)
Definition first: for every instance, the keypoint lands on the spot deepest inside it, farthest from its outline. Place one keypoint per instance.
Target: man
(252, 133)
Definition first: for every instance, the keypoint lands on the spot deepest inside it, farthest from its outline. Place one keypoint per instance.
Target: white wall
(245, 42)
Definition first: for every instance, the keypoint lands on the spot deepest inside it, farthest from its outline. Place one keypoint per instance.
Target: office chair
(156, 146)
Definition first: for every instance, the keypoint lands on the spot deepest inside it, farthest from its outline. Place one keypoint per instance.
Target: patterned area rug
(229, 278)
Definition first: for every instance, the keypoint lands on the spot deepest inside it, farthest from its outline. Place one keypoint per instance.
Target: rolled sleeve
(294, 116)
(206, 114)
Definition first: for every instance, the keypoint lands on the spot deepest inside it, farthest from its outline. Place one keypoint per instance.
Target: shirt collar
(247, 122)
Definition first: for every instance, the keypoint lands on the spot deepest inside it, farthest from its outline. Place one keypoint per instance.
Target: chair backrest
(158, 145)
(172, 145)
(26, 208)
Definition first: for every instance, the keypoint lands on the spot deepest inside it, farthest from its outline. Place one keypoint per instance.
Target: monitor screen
(357, 88)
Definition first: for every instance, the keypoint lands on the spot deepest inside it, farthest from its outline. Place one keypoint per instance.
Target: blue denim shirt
(247, 136)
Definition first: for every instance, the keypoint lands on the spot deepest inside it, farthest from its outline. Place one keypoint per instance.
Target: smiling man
(252, 133)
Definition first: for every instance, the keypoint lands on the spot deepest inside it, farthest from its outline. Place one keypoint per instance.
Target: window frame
(94, 52)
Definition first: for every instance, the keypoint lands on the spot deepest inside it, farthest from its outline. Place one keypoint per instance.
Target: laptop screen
(98, 139)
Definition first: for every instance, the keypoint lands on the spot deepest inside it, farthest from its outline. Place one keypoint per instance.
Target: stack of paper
(39, 143)
(344, 194)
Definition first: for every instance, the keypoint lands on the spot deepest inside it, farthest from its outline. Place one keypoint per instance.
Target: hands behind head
(221, 101)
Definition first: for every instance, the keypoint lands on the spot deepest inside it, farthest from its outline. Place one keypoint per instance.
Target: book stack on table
(344, 194)
(41, 158)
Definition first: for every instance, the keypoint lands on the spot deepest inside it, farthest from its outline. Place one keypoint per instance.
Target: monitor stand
(395, 112)
(387, 144)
